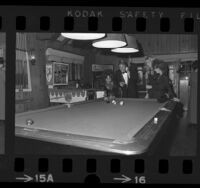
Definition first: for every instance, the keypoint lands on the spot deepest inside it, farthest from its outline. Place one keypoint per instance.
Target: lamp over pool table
(111, 41)
(83, 36)
(130, 48)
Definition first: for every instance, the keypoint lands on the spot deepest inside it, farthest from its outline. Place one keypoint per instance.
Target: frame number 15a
(42, 178)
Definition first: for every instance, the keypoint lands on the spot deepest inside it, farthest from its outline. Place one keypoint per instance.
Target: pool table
(130, 129)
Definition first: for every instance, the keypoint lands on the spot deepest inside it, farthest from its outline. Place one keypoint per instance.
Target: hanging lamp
(131, 47)
(111, 41)
(83, 36)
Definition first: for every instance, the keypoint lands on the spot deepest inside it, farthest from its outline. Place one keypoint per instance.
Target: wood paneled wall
(109, 60)
(167, 44)
(39, 94)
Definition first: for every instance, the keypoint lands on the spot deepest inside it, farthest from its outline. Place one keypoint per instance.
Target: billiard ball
(121, 103)
(114, 102)
(29, 122)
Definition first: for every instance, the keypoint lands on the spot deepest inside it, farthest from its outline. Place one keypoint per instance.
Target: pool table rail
(94, 143)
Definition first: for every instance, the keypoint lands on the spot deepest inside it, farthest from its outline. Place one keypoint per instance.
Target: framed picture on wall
(61, 74)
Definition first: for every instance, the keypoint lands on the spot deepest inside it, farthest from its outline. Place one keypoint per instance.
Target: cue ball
(121, 103)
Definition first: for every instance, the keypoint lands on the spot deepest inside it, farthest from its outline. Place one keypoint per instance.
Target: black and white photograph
(105, 94)
(2, 92)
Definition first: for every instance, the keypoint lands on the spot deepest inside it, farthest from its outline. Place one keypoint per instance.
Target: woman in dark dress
(163, 87)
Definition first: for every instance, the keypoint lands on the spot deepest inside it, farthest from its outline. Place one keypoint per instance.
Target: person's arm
(170, 89)
(118, 80)
(146, 96)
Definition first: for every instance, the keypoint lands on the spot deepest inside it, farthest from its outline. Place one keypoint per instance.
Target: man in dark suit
(125, 81)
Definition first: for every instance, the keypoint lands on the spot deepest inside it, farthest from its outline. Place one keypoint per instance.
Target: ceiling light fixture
(83, 36)
(111, 41)
(130, 48)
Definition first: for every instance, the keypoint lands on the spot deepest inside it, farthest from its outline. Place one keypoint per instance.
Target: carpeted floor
(2, 139)
(185, 141)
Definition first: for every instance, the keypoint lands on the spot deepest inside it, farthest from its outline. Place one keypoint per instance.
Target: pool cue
(121, 93)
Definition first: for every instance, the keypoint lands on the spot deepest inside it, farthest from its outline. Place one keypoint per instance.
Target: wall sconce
(32, 57)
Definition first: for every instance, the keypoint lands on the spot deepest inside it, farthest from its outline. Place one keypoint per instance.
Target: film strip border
(110, 169)
(188, 24)
(128, 20)
(117, 24)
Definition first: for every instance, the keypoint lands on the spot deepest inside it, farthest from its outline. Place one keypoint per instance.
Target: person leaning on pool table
(154, 76)
(163, 88)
